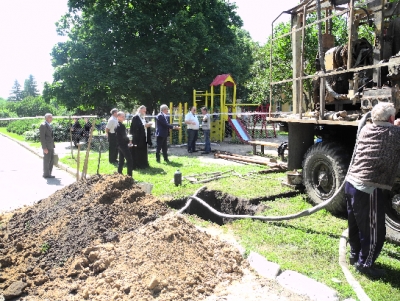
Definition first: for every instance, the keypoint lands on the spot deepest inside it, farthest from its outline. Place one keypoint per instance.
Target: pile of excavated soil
(105, 239)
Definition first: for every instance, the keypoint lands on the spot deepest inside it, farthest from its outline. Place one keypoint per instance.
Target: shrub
(19, 127)
(32, 135)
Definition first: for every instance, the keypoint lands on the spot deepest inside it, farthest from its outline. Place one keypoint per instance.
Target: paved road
(21, 181)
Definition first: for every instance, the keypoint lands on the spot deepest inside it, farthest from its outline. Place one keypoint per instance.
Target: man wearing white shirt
(112, 137)
(192, 129)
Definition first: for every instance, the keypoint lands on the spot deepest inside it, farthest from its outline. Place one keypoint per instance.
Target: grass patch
(309, 245)
(161, 176)
(18, 137)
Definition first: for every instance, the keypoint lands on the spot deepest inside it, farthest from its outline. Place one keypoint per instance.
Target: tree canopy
(145, 51)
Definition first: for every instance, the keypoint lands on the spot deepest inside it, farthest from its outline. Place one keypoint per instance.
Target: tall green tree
(30, 87)
(16, 92)
(145, 51)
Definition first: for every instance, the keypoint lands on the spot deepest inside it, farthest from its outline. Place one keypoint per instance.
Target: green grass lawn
(18, 137)
(161, 175)
(308, 245)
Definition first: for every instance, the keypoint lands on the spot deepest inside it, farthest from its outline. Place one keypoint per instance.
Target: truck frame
(350, 79)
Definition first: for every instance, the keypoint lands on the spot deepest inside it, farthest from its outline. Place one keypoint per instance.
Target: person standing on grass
(76, 131)
(206, 126)
(47, 142)
(141, 137)
(192, 129)
(122, 143)
(377, 157)
(112, 138)
(162, 133)
(86, 129)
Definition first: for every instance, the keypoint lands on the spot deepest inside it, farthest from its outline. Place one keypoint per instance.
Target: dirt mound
(94, 240)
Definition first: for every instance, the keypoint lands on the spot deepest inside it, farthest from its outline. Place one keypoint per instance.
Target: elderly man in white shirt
(192, 129)
(112, 137)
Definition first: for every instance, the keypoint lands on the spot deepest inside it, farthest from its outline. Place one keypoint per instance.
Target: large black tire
(324, 169)
(392, 218)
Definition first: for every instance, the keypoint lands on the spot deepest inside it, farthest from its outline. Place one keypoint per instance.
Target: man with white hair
(374, 168)
(47, 142)
(162, 133)
(123, 145)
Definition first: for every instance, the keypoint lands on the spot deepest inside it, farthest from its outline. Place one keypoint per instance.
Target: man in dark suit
(162, 133)
(47, 141)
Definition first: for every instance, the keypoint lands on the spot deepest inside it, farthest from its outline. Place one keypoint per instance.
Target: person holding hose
(374, 168)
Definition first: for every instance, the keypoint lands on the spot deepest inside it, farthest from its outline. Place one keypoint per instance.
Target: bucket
(146, 187)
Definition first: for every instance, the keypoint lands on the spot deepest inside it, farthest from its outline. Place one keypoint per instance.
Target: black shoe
(49, 177)
(353, 259)
(370, 271)
(166, 160)
(195, 151)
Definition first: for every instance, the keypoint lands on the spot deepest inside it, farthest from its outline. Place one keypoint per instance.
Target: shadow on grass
(307, 230)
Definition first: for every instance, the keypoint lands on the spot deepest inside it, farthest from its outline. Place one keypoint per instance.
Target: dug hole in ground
(105, 239)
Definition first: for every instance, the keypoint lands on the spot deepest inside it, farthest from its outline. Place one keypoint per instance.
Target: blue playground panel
(243, 135)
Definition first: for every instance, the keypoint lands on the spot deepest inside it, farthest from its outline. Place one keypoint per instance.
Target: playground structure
(226, 114)
(225, 108)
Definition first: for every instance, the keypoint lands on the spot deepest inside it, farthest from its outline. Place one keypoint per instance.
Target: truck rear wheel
(392, 210)
(324, 169)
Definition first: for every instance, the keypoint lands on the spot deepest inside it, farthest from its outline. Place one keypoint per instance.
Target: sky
(28, 33)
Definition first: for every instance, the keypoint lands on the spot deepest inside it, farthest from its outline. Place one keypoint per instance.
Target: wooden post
(70, 137)
(85, 164)
(77, 163)
(296, 49)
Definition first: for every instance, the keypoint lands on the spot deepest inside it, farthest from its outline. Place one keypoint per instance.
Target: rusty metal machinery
(373, 70)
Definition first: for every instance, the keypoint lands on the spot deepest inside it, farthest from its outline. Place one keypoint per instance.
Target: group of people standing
(78, 133)
(133, 148)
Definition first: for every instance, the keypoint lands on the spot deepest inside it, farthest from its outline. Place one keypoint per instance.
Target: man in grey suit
(47, 141)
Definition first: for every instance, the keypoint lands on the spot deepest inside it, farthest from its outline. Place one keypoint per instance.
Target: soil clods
(105, 239)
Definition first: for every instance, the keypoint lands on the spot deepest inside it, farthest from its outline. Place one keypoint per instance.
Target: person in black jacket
(122, 142)
(86, 129)
(141, 137)
(76, 131)
(162, 133)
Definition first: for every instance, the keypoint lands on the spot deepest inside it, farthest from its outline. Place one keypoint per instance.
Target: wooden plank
(263, 143)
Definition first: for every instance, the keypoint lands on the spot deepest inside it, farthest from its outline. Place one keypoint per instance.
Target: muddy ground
(105, 239)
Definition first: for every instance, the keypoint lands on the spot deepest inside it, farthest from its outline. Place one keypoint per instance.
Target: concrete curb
(292, 280)
(355, 285)
(32, 150)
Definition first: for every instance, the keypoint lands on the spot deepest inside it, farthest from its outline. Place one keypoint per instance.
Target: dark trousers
(162, 144)
(192, 138)
(112, 147)
(125, 153)
(366, 218)
(48, 160)
(207, 144)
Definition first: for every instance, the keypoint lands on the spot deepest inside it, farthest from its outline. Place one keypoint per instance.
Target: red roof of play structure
(220, 79)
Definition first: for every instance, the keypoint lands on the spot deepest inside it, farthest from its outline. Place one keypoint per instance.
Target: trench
(226, 203)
